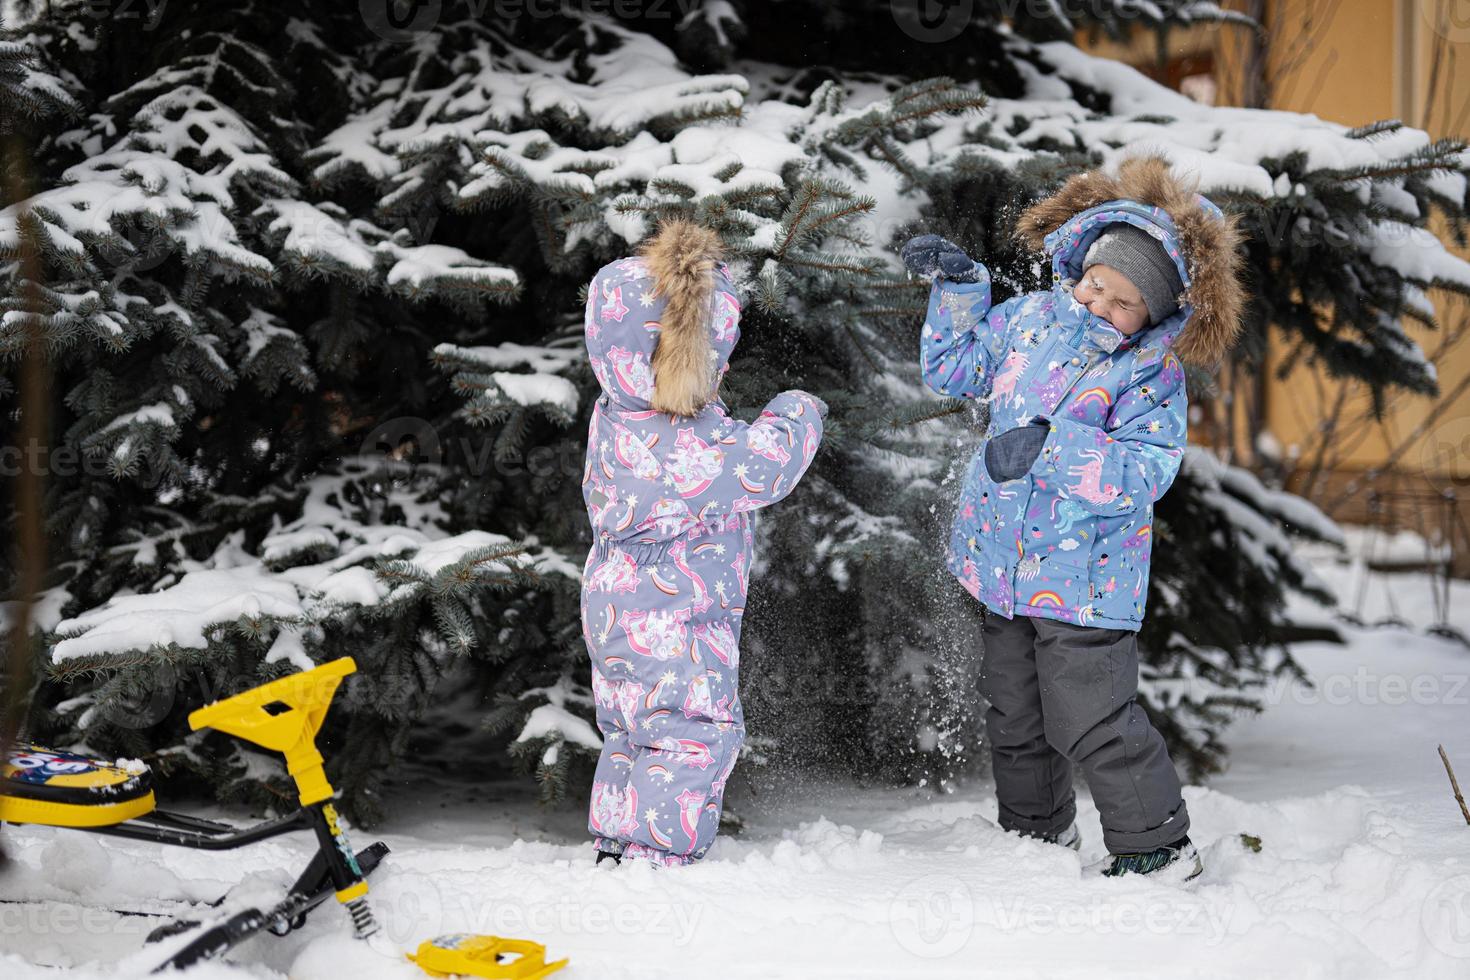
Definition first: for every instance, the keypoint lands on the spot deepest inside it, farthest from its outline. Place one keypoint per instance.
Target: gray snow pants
(1063, 695)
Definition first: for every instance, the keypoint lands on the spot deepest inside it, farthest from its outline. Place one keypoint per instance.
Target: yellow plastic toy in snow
(469, 955)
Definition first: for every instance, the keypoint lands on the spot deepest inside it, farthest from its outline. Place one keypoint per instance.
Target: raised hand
(930, 255)
(821, 405)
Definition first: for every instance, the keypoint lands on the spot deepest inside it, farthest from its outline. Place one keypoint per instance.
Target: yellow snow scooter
(63, 789)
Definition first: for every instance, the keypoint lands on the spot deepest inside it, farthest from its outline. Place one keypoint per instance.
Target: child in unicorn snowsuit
(1087, 426)
(671, 484)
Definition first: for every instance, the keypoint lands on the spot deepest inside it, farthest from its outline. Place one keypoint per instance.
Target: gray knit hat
(1140, 257)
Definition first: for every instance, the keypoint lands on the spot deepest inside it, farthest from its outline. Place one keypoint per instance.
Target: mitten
(817, 403)
(1010, 455)
(928, 255)
(921, 253)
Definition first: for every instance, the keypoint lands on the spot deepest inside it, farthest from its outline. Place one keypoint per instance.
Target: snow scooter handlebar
(284, 716)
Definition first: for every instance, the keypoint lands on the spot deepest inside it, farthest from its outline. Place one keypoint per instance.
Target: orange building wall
(1371, 60)
(1352, 62)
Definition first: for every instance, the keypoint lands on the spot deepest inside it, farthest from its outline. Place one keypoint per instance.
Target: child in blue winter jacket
(1053, 531)
(671, 485)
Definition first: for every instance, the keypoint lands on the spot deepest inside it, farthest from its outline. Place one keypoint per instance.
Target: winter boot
(1179, 859)
(1070, 837)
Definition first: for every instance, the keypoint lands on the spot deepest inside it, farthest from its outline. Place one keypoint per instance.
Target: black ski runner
(312, 889)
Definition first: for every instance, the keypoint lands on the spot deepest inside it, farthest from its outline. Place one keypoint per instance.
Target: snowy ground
(1364, 869)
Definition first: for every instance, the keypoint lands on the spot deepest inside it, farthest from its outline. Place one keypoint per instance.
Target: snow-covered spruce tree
(31, 95)
(507, 161)
(222, 340)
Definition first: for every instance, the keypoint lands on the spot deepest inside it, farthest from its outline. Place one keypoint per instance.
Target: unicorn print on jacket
(1070, 539)
(671, 499)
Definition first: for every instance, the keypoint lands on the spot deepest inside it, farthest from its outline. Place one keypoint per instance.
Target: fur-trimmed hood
(1204, 242)
(669, 314)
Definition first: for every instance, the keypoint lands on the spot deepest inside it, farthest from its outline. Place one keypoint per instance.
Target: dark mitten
(1010, 455)
(920, 254)
(926, 255)
(959, 267)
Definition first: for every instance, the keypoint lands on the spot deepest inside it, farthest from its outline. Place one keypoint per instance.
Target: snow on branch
(628, 83)
(1254, 510)
(423, 271)
(315, 572)
(27, 89)
(494, 392)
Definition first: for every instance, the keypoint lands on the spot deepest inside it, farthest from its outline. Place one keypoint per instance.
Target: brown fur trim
(682, 257)
(1212, 249)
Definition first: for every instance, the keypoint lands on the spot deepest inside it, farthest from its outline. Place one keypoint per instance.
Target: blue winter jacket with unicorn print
(1069, 540)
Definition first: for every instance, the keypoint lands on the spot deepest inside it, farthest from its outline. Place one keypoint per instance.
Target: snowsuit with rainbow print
(672, 503)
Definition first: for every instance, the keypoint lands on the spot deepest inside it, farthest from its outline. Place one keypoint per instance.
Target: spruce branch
(925, 413)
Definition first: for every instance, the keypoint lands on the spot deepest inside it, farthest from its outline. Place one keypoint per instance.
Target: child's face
(1108, 293)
